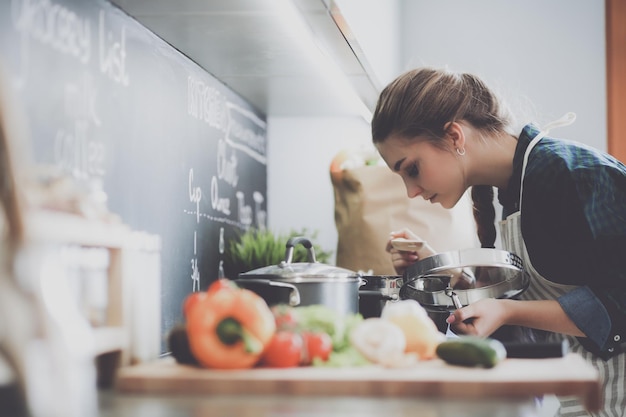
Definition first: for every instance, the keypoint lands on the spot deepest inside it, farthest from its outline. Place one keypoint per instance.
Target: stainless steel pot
(488, 273)
(305, 283)
(376, 292)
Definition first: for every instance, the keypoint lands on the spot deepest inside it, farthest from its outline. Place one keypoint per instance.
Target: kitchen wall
(545, 57)
(377, 26)
(299, 192)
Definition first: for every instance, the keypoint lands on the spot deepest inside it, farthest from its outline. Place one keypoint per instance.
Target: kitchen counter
(513, 388)
(115, 404)
(432, 387)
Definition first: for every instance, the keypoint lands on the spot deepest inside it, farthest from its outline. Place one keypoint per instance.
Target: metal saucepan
(376, 292)
(485, 273)
(305, 283)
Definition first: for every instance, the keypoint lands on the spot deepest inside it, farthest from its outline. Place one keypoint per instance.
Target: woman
(444, 133)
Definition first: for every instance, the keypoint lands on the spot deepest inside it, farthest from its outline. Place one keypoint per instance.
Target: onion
(381, 342)
(420, 332)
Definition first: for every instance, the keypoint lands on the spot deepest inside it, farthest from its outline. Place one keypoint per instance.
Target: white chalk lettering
(71, 150)
(261, 215)
(195, 271)
(195, 195)
(80, 100)
(75, 150)
(53, 25)
(256, 141)
(226, 167)
(244, 137)
(113, 53)
(206, 103)
(244, 211)
(221, 243)
(218, 203)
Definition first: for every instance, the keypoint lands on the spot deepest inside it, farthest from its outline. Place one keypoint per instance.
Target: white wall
(376, 25)
(547, 53)
(300, 150)
(300, 194)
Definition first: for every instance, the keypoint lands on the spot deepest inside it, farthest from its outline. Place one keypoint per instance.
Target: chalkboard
(177, 153)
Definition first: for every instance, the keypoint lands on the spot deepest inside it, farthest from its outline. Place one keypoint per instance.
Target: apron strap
(565, 120)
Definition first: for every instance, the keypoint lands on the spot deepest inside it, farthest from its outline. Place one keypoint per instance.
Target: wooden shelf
(113, 274)
(110, 339)
(60, 227)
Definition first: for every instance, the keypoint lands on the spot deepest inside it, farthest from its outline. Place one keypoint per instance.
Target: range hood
(288, 58)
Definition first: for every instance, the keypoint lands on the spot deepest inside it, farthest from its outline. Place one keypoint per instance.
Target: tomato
(193, 299)
(284, 350)
(285, 317)
(318, 345)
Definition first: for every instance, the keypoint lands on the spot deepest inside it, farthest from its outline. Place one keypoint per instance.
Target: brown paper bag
(371, 202)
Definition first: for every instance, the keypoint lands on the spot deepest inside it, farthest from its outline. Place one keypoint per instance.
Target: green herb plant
(258, 248)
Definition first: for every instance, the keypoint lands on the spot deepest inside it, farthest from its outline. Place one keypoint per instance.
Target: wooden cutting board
(569, 375)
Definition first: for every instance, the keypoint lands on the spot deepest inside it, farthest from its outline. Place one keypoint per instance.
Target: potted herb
(257, 248)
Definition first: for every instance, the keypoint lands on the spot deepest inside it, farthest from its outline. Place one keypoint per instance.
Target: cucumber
(472, 351)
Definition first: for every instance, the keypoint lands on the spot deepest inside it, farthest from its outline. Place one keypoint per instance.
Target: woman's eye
(412, 171)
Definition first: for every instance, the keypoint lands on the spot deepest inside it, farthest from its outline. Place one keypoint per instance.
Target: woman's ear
(456, 135)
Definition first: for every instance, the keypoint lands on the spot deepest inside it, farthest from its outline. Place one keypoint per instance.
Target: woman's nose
(413, 190)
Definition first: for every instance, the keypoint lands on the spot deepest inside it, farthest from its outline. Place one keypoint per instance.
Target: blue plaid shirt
(574, 227)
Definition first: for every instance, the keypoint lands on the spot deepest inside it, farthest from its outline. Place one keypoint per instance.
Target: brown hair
(422, 101)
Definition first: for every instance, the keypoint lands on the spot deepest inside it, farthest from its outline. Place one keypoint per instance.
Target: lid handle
(293, 242)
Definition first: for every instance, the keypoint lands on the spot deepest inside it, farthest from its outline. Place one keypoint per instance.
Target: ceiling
(288, 58)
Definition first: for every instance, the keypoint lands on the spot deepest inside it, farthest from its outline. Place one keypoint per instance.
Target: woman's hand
(480, 318)
(403, 259)
(485, 316)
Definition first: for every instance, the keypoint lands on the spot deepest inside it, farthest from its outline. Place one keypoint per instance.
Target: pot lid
(300, 271)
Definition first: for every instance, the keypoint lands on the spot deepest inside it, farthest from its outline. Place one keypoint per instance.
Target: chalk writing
(113, 53)
(206, 103)
(216, 219)
(75, 150)
(195, 195)
(53, 25)
(261, 215)
(244, 211)
(221, 244)
(75, 154)
(80, 100)
(250, 140)
(220, 270)
(132, 141)
(226, 167)
(195, 272)
(221, 204)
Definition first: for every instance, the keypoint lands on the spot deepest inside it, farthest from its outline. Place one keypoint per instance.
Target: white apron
(612, 372)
